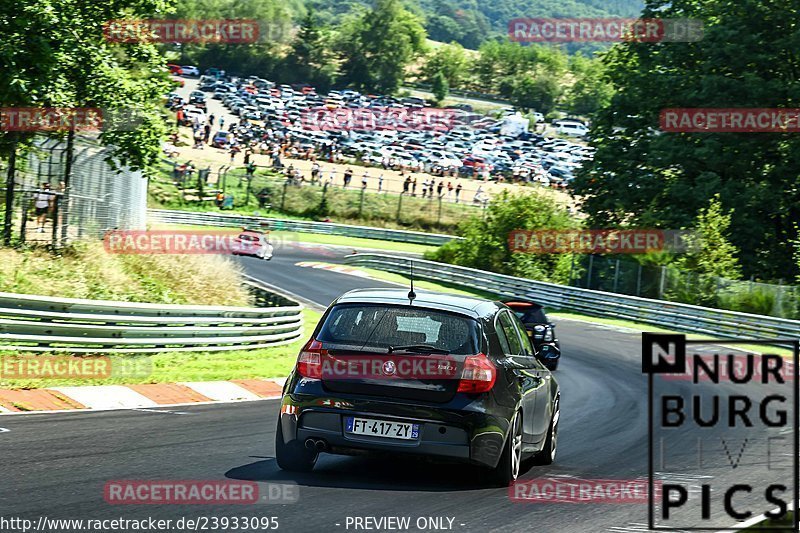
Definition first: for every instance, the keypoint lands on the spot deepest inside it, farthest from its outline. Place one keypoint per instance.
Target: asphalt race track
(56, 465)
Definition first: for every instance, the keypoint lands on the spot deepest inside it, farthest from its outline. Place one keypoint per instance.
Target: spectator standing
(440, 188)
(406, 185)
(364, 179)
(458, 191)
(211, 120)
(234, 150)
(43, 200)
(315, 168)
(380, 183)
(348, 176)
(478, 198)
(414, 186)
(425, 185)
(449, 191)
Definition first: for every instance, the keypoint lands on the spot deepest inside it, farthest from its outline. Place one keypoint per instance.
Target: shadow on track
(372, 473)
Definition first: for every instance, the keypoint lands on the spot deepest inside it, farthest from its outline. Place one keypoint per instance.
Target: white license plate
(381, 428)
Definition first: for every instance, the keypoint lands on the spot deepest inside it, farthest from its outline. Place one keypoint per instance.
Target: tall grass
(86, 270)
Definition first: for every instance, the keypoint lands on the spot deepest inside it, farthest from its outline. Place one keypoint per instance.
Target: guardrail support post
(589, 273)
(361, 203)
(616, 275)
(283, 195)
(661, 283)
(639, 281)
(399, 206)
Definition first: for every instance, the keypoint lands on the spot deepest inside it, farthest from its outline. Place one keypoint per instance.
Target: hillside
(470, 22)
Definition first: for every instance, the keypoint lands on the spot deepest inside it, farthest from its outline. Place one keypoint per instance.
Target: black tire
(510, 464)
(548, 454)
(293, 456)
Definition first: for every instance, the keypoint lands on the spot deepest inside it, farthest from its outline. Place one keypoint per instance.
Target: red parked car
(477, 163)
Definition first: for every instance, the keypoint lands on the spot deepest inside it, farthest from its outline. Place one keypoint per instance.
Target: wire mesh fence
(429, 204)
(626, 276)
(52, 206)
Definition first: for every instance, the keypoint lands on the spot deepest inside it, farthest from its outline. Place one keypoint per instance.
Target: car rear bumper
(469, 436)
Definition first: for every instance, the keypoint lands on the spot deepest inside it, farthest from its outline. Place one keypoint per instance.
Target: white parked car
(573, 129)
(190, 70)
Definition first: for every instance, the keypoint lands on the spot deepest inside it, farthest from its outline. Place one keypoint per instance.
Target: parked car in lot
(541, 331)
(438, 375)
(189, 70)
(221, 139)
(253, 243)
(175, 69)
(575, 129)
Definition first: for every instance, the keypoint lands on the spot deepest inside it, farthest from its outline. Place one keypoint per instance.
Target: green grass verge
(168, 367)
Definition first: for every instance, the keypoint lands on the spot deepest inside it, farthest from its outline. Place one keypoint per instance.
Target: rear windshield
(359, 326)
(531, 315)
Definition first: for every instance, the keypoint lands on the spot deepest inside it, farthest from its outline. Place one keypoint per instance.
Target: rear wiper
(420, 348)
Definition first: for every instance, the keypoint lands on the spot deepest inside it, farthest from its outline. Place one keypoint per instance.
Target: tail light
(309, 362)
(478, 375)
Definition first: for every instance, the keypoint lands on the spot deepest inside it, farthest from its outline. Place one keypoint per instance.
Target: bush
(485, 244)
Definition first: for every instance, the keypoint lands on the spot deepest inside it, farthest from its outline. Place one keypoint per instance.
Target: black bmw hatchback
(438, 375)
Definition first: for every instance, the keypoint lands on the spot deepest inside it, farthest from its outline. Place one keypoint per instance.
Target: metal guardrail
(301, 226)
(43, 324)
(670, 315)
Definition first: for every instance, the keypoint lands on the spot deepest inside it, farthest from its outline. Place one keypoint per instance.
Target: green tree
(651, 178)
(709, 250)
(55, 54)
(449, 60)
(485, 244)
(539, 93)
(591, 90)
(310, 59)
(440, 87)
(262, 58)
(377, 45)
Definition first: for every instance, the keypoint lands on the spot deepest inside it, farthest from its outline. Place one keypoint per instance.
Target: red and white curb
(341, 269)
(108, 397)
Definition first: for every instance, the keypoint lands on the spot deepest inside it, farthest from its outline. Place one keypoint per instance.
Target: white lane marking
(221, 390)
(106, 396)
(637, 526)
(162, 411)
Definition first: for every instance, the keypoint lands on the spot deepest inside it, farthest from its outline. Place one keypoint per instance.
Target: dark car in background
(437, 375)
(541, 331)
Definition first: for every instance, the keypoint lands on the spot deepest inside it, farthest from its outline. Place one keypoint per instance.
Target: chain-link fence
(428, 204)
(626, 276)
(52, 208)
